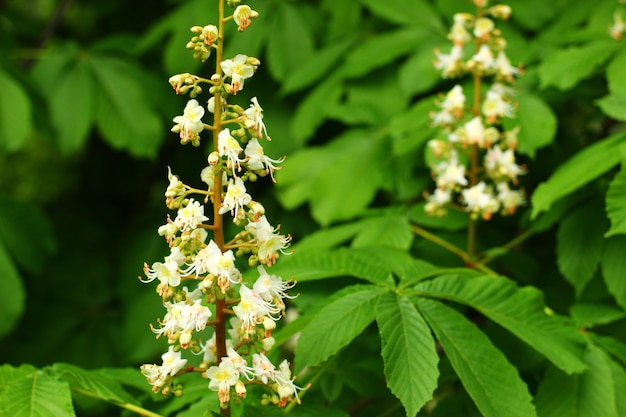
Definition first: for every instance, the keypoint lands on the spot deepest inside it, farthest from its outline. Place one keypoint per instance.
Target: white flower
(258, 161)
(474, 132)
(450, 64)
(221, 378)
(175, 187)
(209, 34)
(211, 260)
(484, 58)
(254, 118)
(480, 199)
(242, 16)
(190, 216)
(166, 273)
(504, 68)
(495, 106)
(483, 27)
(235, 199)
(172, 362)
(158, 375)
(501, 164)
(616, 30)
(264, 369)
(450, 173)
(238, 70)
(455, 99)
(510, 199)
(436, 200)
(269, 242)
(286, 387)
(229, 147)
(182, 317)
(271, 287)
(252, 309)
(190, 123)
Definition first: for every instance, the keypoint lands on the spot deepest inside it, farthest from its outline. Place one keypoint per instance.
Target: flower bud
(240, 389)
(213, 158)
(196, 30)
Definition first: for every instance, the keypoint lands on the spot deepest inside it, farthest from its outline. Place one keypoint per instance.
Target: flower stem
(218, 220)
(131, 407)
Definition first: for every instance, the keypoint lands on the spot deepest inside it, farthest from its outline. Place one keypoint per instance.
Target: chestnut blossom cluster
(201, 270)
(475, 165)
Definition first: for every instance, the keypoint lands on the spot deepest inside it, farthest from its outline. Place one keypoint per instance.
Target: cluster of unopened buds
(474, 157)
(201, 272)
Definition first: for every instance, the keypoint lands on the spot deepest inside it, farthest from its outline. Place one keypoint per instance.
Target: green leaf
(453, 220)
(329, 237)
(317, 66)
(31, 242)
(519, 310)
(408, 352)
(337, 324)
(95, 382)
(579, 244)
(585, 166)
(619, 379)
(291, 43)
(613, 264)
(616, 203)
(364, 103)
(312, 110)
(16, 118)
(413, 13)
(417, 74)
(566, 68)
(10, 373)
(123, 112)
(613, 105)
(380, 50)
(615, 347)
(320, 176)
(72, 106)
(488, 377)
(314, 264)
(537, 124)
(390, 230)
(411, 129)
(589, 394)
(36, 395)
(588, 315)
(615, 75)
(12, 294)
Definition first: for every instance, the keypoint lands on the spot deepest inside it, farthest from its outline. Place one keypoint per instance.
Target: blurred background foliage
(347, 87)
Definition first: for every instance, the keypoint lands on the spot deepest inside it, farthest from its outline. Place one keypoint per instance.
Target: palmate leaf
(35, 395)
(414, 13)
(613, 264)
(16, 114)
(566, 68)
(519, 310)
(381, 50)
(12, 294)
(320, 176)
(93, 381)
(590, 394)
(579, 244)
(319, 264)
(582, 168)
(489, 378)
(616, 203)
(408, 351)
(344, 318)
(537, 124)
(124, 115)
